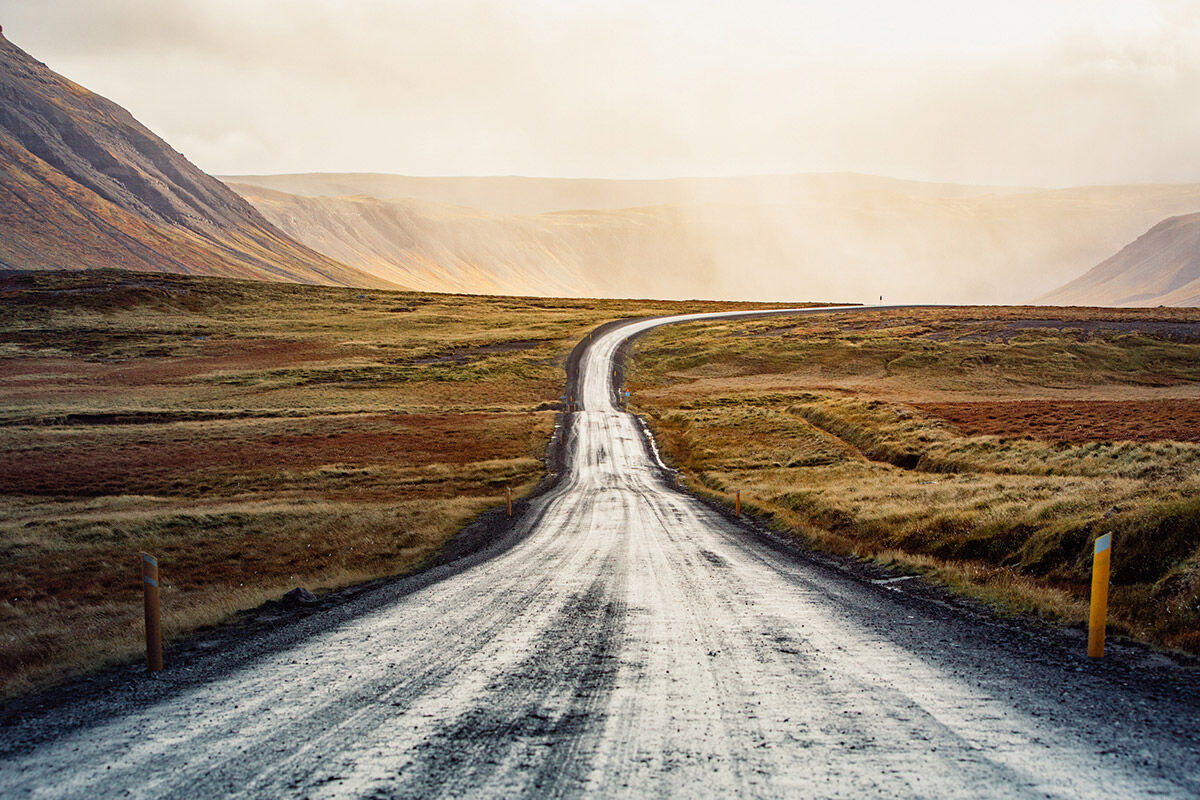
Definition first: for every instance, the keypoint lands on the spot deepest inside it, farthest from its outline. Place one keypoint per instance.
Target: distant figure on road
(880, 299)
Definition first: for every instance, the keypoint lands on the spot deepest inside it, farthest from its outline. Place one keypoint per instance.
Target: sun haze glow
(1023, 92)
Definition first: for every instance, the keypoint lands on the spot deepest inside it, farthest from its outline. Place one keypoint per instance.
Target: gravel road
(627, 640)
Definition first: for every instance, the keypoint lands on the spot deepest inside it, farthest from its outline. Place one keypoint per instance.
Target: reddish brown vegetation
(254, 437)
(116, 461)
(1090, 421)
(217, 356)
(1076, 420)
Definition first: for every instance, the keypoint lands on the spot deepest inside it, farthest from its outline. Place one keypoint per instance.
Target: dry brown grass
(254, 437)
(821, 425)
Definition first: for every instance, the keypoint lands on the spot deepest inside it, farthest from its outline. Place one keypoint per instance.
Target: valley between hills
(84, 185)
(437, 506)
(139, 408)
(847, 237)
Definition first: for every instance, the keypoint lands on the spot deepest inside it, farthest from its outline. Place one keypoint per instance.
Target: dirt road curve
(631, 642)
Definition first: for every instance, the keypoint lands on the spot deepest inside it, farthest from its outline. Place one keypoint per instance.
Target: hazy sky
(1030, 92)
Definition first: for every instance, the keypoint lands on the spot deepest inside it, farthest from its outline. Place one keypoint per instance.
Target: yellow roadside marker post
(737, 507)
(154, 660)
(509, 490)
(676, 480)
(1099, 613)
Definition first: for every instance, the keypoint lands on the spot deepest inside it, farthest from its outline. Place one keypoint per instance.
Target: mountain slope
(1160, 267)
(513, 194)
(848, 237)
(84, 185)
(438, 247)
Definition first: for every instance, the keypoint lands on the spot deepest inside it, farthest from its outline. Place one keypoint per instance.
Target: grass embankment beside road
(254, 437)
(983, 447)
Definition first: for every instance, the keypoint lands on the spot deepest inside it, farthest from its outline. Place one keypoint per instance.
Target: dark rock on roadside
(299, 597)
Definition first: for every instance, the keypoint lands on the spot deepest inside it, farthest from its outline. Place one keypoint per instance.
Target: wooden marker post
(154, 660)
(737, 504)
(1098, 617)
(676, 480)
(509, 490)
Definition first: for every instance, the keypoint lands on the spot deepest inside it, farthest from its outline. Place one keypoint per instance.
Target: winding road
(630, 641)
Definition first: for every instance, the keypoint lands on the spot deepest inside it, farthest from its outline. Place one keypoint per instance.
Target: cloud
(1018, 92)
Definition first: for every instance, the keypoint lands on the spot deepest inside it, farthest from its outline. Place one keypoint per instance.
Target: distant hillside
(439, 247)
(512, 194)
(849, 237)
(84, 185)
(1160, 268)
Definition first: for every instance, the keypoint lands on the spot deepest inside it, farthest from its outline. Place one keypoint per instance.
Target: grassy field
(254, 437)
(983, 447)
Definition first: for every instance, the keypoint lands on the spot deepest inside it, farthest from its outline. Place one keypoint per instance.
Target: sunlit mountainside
(1161, 267)
(843, 236)
(85, 185)
(515, 194)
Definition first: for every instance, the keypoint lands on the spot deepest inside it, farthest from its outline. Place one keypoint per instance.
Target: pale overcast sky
(1029, 92)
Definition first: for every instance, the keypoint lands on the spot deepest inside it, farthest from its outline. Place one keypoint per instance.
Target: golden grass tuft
(819, 422)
